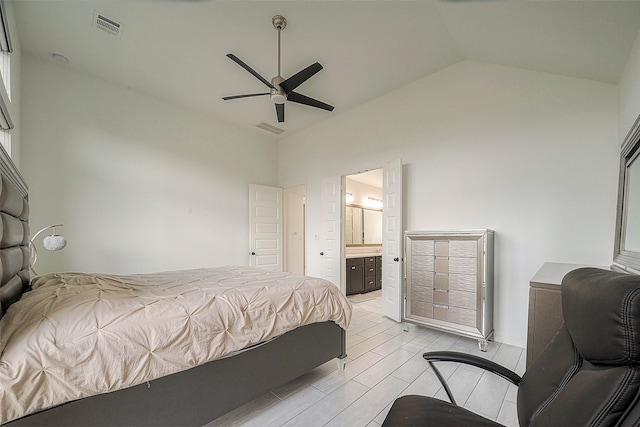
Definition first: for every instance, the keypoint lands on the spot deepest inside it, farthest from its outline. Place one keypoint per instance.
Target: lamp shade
(54, 242)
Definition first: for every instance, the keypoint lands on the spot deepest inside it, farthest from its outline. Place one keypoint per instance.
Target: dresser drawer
(455, 315)
(422, 278)
(460, 299)
(422, 262)
(421, 309)
(463, 265)
(463, 282)
(463, 249)
(423, 247)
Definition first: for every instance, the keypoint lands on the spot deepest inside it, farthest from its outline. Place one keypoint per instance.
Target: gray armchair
(589, 375)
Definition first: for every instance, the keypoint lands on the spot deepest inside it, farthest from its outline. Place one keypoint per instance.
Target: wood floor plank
(383, 368)
(426, 384)
(305, 380)
(461, 382)
(367, 345)
(329, 406)
(508, 414)
(488, 395)
(246, 412)
(337, 378)
(413, 368)
(364, 410)
(280, 413)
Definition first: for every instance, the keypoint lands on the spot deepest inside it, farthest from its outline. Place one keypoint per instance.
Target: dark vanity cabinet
(364, 274)
(355, 276)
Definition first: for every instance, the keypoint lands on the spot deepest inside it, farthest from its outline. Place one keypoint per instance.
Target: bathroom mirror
(362, 226)
(627, 240)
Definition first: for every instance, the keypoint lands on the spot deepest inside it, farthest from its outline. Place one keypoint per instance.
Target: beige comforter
(77, 335)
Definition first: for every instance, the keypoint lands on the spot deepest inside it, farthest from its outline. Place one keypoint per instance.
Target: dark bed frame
(192, 397)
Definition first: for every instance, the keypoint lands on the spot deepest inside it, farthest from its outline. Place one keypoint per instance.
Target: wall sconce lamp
(52, 242)
(349, 197)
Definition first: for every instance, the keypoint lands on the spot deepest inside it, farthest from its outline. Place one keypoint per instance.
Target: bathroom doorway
(363, 234)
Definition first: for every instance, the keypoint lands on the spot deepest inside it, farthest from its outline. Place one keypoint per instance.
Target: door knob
(396, 259)
(253, 253)
(321, 253)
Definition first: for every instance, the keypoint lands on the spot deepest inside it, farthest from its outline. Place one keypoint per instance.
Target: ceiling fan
(281, 89)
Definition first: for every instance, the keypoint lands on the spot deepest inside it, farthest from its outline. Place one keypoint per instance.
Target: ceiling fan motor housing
(278, 96)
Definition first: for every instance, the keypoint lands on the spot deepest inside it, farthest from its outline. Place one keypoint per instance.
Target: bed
(174, 348)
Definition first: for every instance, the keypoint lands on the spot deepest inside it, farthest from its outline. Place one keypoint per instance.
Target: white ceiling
(175, 50)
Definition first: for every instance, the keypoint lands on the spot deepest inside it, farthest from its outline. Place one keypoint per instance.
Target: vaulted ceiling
(176, 50)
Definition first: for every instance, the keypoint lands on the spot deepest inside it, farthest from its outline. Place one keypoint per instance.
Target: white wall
(530, 155)
(630, 91)
(141, 185)
(294, 229)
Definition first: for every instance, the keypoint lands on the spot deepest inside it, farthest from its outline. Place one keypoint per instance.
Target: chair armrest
(468, 359)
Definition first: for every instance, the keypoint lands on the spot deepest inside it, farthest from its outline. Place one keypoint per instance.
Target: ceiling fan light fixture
(278, 98)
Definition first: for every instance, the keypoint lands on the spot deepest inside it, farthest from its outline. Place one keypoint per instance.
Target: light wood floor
(384, 362)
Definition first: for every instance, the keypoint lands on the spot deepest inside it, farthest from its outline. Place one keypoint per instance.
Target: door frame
(394, 306)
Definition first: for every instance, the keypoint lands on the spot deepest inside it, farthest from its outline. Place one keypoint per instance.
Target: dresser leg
(482, 342)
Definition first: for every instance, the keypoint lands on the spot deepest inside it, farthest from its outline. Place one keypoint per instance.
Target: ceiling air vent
(270, 128)
(107, 25)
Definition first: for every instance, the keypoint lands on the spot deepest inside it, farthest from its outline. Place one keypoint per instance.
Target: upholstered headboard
(14, 234)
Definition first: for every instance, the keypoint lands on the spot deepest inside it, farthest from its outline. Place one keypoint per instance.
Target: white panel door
(331, 253)
(265, 227)
(392, 240)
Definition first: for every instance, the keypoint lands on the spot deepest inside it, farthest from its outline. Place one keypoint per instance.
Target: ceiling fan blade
(249, 69)
(303, 99)
(280, 112)
(244, 96)
(300, 77)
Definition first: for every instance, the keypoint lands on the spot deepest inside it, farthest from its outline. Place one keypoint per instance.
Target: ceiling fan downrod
(278, 96)
(279, 23)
